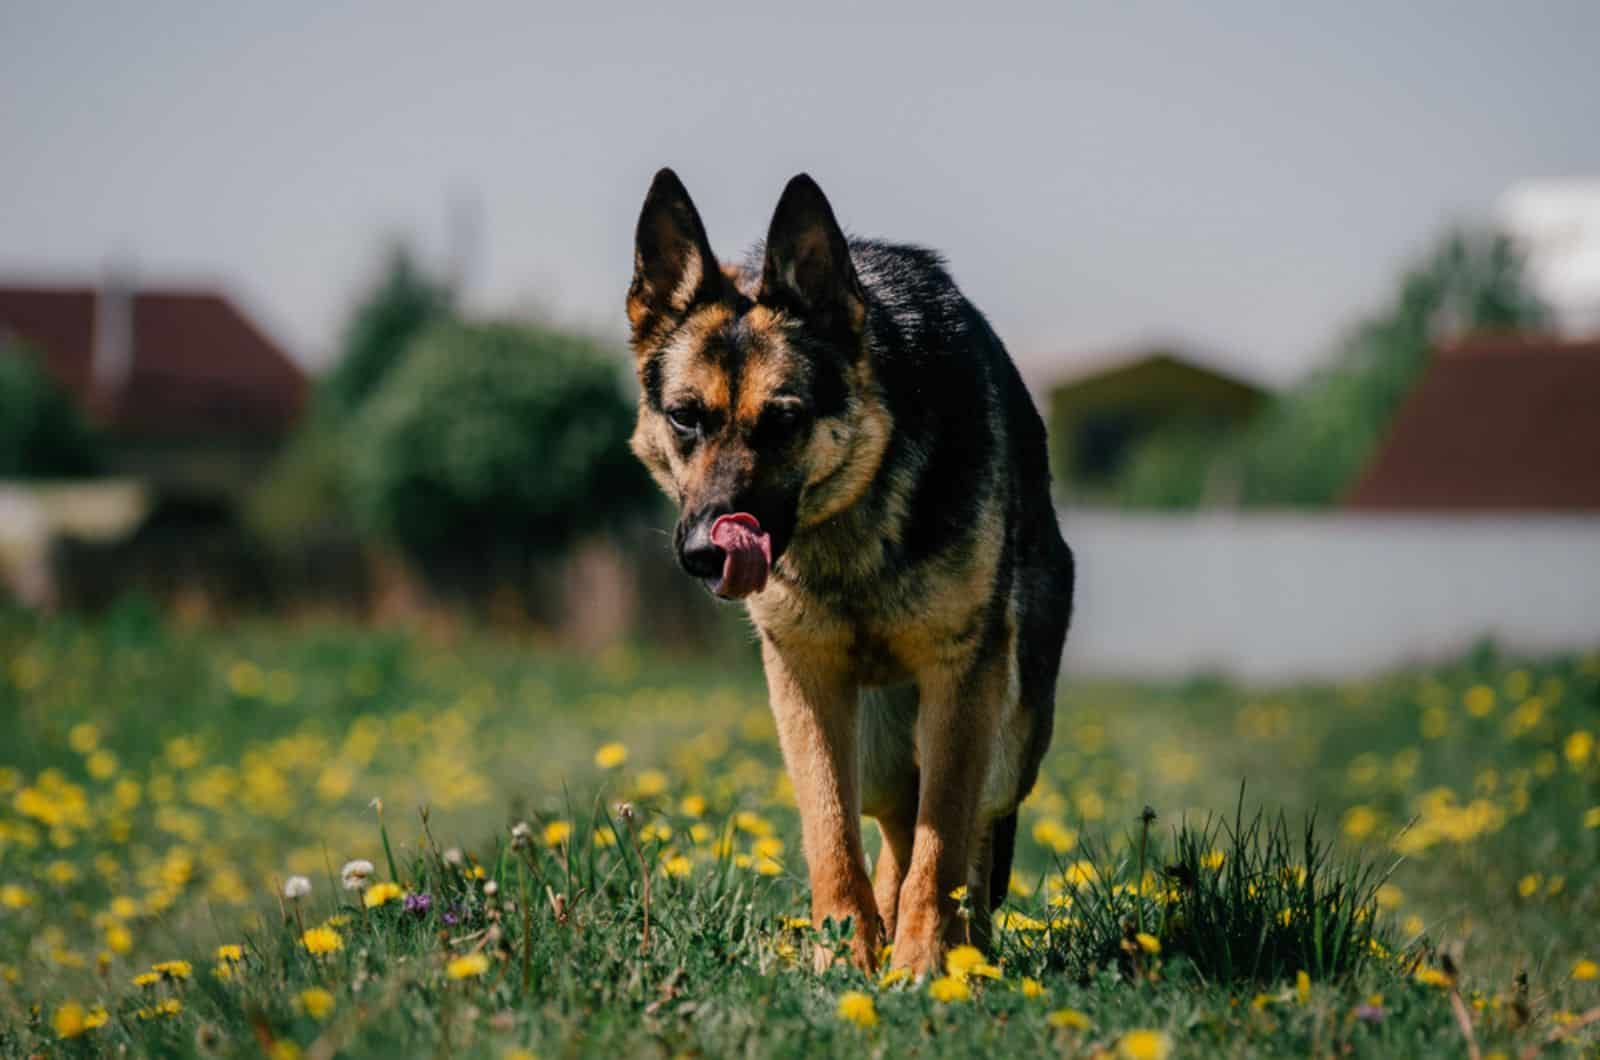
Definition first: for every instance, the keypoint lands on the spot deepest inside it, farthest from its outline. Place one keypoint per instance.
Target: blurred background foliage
(42, 434)
(491, 445)
(1306, 449)
(480, 451)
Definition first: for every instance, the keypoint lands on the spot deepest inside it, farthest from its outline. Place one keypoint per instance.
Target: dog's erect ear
(673, 267)
(808, 266)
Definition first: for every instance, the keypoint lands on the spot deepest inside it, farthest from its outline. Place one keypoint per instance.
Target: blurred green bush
(491, 445)
(41, 433)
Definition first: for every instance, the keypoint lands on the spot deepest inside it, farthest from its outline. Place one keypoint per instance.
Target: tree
(305, 492)
(41, 433)
(493, 446)
(402, 305)
(1311, 444)
(1307, 448)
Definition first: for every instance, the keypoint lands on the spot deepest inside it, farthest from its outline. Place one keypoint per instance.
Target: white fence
(1280, 596)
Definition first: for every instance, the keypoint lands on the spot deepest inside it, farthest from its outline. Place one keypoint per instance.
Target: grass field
(159, 789)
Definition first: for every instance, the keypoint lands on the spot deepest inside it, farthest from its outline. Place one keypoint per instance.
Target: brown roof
(198, 366)
(1498, 423)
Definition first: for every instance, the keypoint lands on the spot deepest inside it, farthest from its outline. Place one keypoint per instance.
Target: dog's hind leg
(957, 722)
(889, 789)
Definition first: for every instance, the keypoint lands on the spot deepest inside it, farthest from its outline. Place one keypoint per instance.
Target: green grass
(1428, 833)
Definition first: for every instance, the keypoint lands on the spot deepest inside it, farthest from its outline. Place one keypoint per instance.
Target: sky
(1240, 178)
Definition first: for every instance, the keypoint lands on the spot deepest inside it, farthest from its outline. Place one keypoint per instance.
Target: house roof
(195, 364)
(1500, 422)
(1156, 377)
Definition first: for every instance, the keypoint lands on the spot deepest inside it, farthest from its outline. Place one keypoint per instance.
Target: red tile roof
(198, 365)
(1497, 423)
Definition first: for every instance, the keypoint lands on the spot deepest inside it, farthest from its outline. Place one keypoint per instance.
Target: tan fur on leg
(898, 829)
(955, 727)
(816, 708)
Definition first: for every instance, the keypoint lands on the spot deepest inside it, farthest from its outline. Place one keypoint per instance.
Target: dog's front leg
(956, 728)
(815, 706)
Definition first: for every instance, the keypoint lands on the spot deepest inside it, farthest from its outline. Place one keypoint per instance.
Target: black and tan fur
(847, 395)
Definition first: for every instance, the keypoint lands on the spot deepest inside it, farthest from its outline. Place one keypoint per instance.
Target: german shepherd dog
(855, 457)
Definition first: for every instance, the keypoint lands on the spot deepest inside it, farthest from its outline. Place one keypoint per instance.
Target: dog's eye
(779, 424)
(686, 420)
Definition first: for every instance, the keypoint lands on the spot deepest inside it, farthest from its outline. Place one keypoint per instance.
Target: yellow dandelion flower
(70, 1020)
(1302, 987)
(1144, 1045)
(382, 894)
(961, 960)
(947, 989)
(1148, 942)
(1591, 817)
(146, 979)
(1435, 977)
(1080, 874)
(466, 967)
(1051, 833)
(283, 1049)
(118, 938)
(692, 806)
(1213, 860)
(960, 893)
(611, 755)
(856, 1007)
(83, 737)
(14, 896)
(1528, 886)
(316, 1002)
(769, 867)
(678, 867)
(1479, 701)
(1068, 1019)
(1585, 970)
(1360, 822)
(649, 783)
(230, 952)
(557, 832)
(893, 976)
(1578, 748)
(752, 823)
(320, 940)
(174, 969)
(1012, 920)
(102, 765)
(1032, 988)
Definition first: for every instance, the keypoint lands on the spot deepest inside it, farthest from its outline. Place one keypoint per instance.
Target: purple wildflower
(418, 904)
(1369, 1013)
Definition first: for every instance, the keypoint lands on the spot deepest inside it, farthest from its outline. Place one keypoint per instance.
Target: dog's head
(750, 412)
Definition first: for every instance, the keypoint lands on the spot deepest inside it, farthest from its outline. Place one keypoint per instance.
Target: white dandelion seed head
(453, 856)
(521, 834)
(491, 888)
(355, 874)
(296, 887)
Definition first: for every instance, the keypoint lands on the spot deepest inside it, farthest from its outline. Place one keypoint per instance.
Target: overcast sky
(1240, 176)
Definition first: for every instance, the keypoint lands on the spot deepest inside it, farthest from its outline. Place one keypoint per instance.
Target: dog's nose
(698, 555)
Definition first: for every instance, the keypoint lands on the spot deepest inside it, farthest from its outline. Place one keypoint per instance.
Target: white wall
(1282, 596)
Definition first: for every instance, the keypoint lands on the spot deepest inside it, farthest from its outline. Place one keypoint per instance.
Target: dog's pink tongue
(749, 554)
